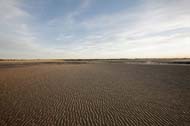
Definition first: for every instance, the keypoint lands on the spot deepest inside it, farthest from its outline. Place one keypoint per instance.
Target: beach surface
(94, 94)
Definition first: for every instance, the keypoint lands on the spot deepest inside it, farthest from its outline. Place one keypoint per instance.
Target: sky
(94, 29)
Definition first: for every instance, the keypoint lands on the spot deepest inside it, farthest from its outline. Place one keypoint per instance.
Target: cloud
(14, 32)
(16, 38)
(153, 24)
(152, 28)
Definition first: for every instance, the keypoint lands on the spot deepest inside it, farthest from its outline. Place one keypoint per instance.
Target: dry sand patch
(95, 94)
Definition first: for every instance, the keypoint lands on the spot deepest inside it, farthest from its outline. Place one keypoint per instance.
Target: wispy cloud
(152, 28)
(152, 25)
(16, 40)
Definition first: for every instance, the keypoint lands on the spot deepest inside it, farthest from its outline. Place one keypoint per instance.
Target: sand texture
(95, 95)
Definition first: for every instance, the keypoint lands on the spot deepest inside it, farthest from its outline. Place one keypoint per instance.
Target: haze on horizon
(94, 29)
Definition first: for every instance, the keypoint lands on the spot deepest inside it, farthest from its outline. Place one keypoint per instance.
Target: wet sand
(95, 95)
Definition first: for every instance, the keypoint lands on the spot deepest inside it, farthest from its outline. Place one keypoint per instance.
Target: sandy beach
(95, 95)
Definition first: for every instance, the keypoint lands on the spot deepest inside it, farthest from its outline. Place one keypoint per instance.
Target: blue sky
(94, 28)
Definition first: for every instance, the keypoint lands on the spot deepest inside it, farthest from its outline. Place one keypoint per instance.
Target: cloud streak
(152, 28)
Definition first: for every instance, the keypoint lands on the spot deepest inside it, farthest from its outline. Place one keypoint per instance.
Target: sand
(95, 95)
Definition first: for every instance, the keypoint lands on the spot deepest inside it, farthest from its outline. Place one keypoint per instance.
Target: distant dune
(81, 61)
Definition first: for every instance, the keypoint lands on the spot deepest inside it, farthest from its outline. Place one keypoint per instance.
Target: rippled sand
(95, 95)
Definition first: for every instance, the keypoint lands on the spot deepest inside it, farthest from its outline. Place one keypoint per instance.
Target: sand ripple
(95, 95)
